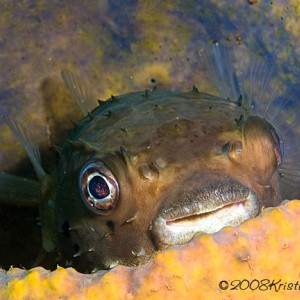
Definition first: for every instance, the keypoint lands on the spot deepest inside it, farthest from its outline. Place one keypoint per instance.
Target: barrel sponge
(258, 259)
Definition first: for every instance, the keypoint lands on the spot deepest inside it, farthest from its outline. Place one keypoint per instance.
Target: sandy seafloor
(117, 46)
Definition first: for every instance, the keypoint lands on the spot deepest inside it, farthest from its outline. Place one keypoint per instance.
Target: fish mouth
(207, 210)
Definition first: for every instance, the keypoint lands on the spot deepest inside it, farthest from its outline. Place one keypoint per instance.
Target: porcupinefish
(146, 170)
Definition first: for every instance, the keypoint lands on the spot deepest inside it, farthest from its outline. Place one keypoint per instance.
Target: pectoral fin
(21, 191)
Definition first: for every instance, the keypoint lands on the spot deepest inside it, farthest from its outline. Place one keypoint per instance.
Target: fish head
(232, 182)
(124, 194)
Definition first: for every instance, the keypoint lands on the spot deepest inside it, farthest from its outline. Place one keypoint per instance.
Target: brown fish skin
(178, 151)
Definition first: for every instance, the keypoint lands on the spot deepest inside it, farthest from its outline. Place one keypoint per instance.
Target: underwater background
(117, 47)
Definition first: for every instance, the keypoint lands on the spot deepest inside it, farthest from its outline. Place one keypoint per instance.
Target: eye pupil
(98, 187)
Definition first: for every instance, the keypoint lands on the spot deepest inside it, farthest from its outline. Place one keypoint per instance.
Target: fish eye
(278, 145)
(99, 188)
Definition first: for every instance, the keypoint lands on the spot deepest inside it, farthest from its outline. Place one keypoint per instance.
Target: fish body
(173, 157)
(146, 170)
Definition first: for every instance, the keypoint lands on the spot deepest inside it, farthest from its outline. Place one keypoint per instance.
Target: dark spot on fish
(153, 80)
(111, 225)
(76, 248)
(66, 229)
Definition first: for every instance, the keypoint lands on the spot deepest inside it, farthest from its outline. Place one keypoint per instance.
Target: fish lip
(178, 225)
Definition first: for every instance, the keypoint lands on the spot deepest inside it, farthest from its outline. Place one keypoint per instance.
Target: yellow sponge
(256, 260)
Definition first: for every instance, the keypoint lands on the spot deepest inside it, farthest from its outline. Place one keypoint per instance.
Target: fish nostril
(236, 148)
(226, 147)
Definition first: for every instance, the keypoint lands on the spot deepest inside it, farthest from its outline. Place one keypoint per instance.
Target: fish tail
(16, 190)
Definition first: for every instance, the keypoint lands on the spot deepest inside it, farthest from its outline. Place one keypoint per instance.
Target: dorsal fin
(81, 93)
